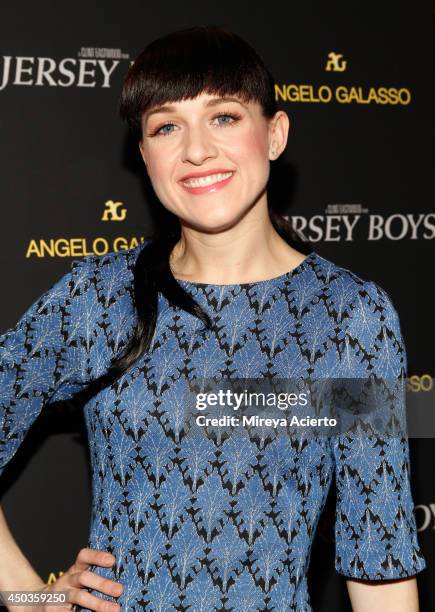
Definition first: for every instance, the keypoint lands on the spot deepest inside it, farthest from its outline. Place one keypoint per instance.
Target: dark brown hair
(183, 64)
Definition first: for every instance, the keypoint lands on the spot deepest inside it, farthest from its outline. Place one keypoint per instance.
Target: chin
(219, 223)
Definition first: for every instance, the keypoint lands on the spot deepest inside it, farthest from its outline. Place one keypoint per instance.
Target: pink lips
(207, 188)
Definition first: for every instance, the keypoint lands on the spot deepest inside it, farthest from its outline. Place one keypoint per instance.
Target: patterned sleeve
(375, 528)
(40, 359)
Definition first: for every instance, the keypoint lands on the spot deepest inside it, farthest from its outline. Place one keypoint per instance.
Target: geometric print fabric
(194, 523)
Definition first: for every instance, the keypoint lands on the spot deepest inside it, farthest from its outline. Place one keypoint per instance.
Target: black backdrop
(356, 178)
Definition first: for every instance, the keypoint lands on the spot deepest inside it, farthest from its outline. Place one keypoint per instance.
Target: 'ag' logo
(111, 213)
(335, 62)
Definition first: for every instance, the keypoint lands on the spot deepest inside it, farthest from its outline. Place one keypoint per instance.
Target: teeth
(203, 181)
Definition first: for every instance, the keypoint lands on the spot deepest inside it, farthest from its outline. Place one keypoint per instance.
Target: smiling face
(208, 157)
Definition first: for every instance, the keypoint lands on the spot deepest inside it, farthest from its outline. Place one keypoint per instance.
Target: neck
(248, 252)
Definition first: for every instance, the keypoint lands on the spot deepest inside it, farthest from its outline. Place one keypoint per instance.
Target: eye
(227, 119)
(232, 117)
(161, 131)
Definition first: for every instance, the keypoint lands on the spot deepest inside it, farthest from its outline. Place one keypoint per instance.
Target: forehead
(203, 101)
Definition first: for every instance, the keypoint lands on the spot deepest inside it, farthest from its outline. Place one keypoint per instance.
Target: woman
(197, 522)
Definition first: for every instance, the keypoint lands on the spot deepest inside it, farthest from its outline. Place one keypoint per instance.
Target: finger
(92, 556)
(86, 578)
(92, 602)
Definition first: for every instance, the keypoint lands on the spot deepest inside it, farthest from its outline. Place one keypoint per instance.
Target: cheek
(158, 172)
(252, 146)
(156, 167)
(161, 172)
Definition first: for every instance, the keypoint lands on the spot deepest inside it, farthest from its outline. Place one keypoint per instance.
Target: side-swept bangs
(186, 63)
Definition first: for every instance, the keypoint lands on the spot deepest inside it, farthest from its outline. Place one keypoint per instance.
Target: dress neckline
(276, 279)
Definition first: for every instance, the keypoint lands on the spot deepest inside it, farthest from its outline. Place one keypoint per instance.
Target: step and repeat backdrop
(356, 180)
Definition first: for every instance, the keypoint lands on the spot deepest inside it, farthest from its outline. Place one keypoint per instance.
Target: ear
(278, 133)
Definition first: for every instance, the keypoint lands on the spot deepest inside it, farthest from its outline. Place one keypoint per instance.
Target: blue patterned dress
(200, 526)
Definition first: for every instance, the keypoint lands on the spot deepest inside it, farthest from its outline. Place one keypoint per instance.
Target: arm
(16, 572)
(47, 357)
(376, 543)
(39, 362)
(385, 596)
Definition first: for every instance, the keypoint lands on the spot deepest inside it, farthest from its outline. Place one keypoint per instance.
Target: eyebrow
(172, 109)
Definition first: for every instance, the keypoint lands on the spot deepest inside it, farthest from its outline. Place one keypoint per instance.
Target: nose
(198, 146)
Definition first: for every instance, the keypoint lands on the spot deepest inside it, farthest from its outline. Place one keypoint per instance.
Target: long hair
(182, 65)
